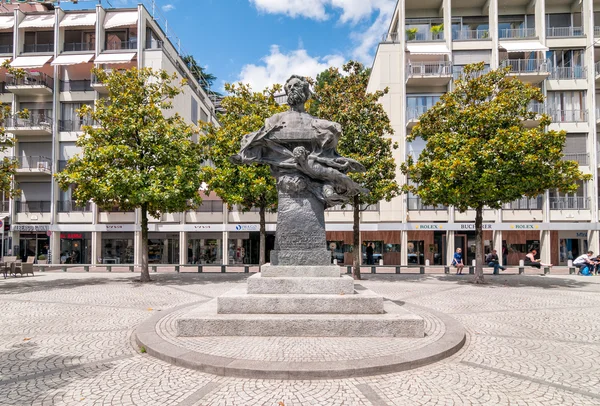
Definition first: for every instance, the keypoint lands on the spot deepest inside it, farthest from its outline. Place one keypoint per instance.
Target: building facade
(552, 44)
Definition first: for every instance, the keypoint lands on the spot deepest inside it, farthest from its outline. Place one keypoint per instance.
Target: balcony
(35, 124)
(69, 206)
(33, 206)
(154, 44)
(428, 73)
(390, 38)
(568, 116)
(31, 84)
(76, 86)
(557, 32)
(74, 125)
(38, 48)
(98, 85)
(415, 203)
(117, 45)
(525, 203)
(413, 114)
(6, 49)
(516, 33)
(33, 165)
(424, 36)
(468, 35)
(537, 108)
(79, 46)
(569, 203)
(569, 73)
(528, 70)
(582, 158)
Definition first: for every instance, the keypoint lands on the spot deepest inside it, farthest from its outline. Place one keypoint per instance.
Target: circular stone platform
(301, 357)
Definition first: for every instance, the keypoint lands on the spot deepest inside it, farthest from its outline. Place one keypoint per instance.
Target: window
(6, 42)
(194, 112)
(80, 40)
(575, 148)
(152, 40)
(203, 116)
(121, 39)
(567, 106)
(417, 105)
(39, 41)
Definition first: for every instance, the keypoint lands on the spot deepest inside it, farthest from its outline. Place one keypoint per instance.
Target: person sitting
(530, 260)
(492, 260)
(457, 261)
(583, 261)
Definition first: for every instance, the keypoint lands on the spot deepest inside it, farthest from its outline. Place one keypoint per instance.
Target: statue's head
(297, 90)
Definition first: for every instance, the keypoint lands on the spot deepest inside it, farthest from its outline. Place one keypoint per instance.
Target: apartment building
(58, 49)
(553, 44)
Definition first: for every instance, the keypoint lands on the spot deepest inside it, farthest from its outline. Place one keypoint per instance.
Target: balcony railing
(34, 162)
(392, 37)
(31, 79)
(463, 35)
(210, 206)
(414, 113)
(573, 72)
(425, 36)
(34, 120)
(67, 206)
(568, 116)
(428, 68)
(154, 44)
(516, 33)
(83, 85)
(564, 32)
(73, 125)
(526, 65)
(116, 45)
(113, 209)
(33, 206)
(582, 158)
(536, 107)
(6, 49)
(415, 203)
(569, 203)
(79, 46)
(457, 70)
(38, 48)
(525, 203)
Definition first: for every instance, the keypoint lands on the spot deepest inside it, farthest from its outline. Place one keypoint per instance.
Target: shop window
(205, 251)
(416, 255)
(377, 252)
(117, 251)
(337, 251)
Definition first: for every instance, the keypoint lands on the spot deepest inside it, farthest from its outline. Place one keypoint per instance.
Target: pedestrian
(584, 261)
(493, 261)
(370, 254)
(457, 261)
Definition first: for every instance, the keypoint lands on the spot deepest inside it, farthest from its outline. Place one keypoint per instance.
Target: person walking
(493, 261)
(370, 254)
(457, 261)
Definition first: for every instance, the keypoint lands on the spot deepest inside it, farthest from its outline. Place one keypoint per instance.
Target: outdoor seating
(27, 267)
(6, 267)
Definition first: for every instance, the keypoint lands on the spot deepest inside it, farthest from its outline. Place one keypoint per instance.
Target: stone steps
(257, 284)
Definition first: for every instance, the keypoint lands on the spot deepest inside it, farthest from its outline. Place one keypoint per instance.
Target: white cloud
(277, 67)
(168, 7)
(314, 9)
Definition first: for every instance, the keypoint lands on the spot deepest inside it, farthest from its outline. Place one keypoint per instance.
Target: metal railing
(572, 72)
(113, 209)
(31, 79)
(83, 85)
(391, 37)
(536, 107)
(534, 203)
(79, 46)
(516, 33)
(74, 125)
(66, 206)
(462, 35)
(34, 120)
(33, 206)
(6, 49)
(428, 69)
(41, 163)
(457, 70)
(350, 208)
(564, 32)
(569, 203)
(415, 203)
(210, 206)
(414, 113)
(568, 116)
(154, 44)
(425, 36)
(38, 48)
(526, 65)
(116, 45)
(583, 158)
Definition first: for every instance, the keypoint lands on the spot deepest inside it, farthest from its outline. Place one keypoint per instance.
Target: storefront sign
(71, 236)
(247, 227)
(429, 227)
(30, 227)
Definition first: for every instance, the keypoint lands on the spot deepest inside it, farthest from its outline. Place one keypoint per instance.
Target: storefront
(117, 248)
(33, 244)
(385, 244)
(75, 248)
(571, 245)
(205, 248)
(163, 248)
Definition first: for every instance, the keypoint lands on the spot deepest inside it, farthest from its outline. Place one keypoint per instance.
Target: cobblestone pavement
(65, 339)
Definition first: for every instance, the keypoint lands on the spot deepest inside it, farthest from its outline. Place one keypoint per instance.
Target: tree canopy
(206, 79)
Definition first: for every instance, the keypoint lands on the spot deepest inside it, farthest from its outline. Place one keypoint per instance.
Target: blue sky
(262, 41)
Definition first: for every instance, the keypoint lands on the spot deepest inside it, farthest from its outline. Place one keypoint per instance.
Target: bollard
(131, 268)
(349, 270)
(571, 271)
(154, 269)
(422, 270)
(426, 262)
(334, 261)
(381, 262)
(223, 269)
(64, 269)
(471, 270)
(86, 268)
(177, 268)
(446, 269)
(546, 270)
(246, 269)
(373, 269)
(199, 268)
(397, 269)
(521, 267)
(109, 268)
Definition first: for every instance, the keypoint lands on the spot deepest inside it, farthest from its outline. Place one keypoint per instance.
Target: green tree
(341, 96)
(205, 79)
(479, 152)
(245, 185)
(135, 156)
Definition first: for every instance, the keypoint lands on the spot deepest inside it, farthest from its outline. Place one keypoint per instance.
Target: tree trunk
(263, 238)
(356, 251)
(145, 275)
(479, 245)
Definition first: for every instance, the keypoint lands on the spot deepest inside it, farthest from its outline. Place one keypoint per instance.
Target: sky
(262, 42)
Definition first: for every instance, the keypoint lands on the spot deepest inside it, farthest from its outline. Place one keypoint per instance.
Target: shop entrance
(33, 245)
(571, 248)
(460, 241)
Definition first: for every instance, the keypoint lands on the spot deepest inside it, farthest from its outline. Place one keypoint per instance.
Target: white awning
(428, 49)
(115, 58)
(522, 46)
(38, 21)
(78, 20)
(7, 22)
(27, 62)
(72, 59)
(120, 19)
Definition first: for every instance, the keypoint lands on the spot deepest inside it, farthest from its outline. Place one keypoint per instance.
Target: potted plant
(411, 34)
(42, 259)
(437, 31)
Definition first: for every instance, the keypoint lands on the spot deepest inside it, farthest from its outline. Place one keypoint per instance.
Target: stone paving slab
(531, 340)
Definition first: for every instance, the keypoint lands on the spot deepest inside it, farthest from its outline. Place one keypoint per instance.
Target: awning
(78, 20)
(428, 49)
(72, 59)
(38, 21)
(7, 22)
(115, 58)
(120, 19)
(27, 62)
(522, 46)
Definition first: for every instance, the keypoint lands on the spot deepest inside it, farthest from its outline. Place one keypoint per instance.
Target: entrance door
(460, 241)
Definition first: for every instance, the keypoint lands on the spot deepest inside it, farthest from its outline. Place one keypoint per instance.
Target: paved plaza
(66, 339)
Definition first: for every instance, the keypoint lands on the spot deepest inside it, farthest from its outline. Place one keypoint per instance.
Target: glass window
(416, 254)
(117, 251)
(206, 251)
(194, 112)
(6, 38)
(559, 20)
